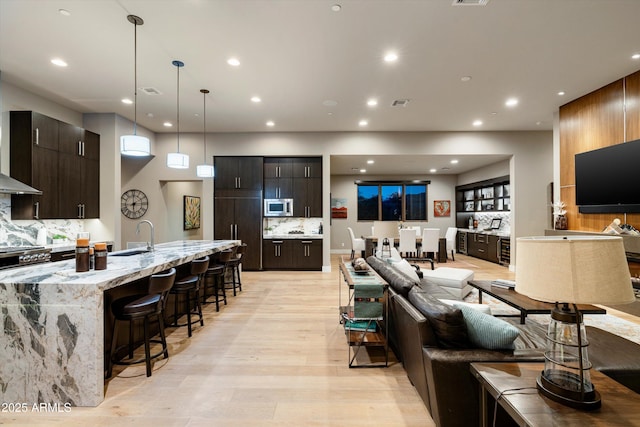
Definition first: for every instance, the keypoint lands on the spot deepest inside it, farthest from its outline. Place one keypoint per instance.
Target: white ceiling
(297, 54)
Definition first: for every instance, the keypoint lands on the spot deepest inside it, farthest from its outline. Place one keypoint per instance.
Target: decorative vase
(561, 222)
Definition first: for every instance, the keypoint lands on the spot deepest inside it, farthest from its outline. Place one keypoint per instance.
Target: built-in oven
(278, 207)
(17, 256)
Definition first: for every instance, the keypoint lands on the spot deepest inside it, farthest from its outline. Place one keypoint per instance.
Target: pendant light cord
(178, 108)
(135, 77)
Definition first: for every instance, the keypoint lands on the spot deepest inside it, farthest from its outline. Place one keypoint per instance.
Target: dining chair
(357, 244)
(450, 236)
(430, 240)
(407, 245)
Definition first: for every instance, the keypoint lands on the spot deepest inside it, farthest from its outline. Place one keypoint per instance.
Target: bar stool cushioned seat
(189, 287)
(142, 307)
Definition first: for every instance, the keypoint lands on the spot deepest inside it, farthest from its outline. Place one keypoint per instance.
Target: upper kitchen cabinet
(307, 167)
(238, 173)
(34, 161)
(307, 187)
(61, 160)
(278, 178)
(79, 181)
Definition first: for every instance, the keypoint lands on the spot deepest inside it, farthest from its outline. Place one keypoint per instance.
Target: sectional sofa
(432, 340)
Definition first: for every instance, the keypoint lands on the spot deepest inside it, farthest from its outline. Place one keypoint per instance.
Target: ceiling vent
(150, 91)
(400, 103)
(470, 2)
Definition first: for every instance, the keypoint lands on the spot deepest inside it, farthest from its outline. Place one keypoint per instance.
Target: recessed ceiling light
(539, 123)
(477, 122)
(363, 123)
(59, 62)
(372, 102)
(336, 8)
(561, 93)
(270, 123)
(635, 56)
(363, 170)
(64, 12)
(390, 57)
(127, 101)
(256, 99)
(494, 113)
(167, 124)
(511, 102)
(329, 103)
(454, 162)
(149, 114)
(234, 62)
(432, 170)
(370, 162)
(465, 78)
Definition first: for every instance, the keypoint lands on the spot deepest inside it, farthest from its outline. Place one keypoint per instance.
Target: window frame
(403, 208)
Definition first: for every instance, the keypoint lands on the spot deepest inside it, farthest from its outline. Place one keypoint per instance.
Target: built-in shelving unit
(493, 195)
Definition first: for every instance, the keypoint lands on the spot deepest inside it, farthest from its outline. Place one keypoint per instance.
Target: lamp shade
(134, 145)
(181, 161)
(204, 171)
(573, 269)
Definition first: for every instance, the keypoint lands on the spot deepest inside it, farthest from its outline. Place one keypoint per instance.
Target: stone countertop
(120, 269)
(70, 245)
(292, 236)
(498, 233)
(53, 348)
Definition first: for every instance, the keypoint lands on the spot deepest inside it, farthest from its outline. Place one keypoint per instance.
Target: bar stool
(142, 307)
(189, 287)
(234, 264)
(214, 278)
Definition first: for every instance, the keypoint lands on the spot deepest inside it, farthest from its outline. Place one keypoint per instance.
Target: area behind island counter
(53, 322)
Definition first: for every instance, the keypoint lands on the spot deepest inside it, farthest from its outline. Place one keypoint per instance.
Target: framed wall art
(191, 212)
(441, 208)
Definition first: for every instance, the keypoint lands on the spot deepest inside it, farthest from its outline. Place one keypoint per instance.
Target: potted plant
(57, 239)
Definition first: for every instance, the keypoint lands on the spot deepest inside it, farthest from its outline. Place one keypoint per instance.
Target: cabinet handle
(239, 182)
(236, 232)
(79, 210)
(37, 141)
(231, 231)
(80, 148)
(277, 171)
(37, 209)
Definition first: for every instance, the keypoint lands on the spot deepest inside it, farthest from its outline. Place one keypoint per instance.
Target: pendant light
(178, 160)
(135, 145)
(204, 170)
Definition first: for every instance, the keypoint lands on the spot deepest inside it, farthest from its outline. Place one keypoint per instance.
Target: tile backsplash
(281, 226)
(25, 232)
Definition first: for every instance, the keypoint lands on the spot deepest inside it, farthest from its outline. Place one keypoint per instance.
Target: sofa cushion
(398, 281)
(407, 269)
(446, 321)
(483, 308)
(486, 331)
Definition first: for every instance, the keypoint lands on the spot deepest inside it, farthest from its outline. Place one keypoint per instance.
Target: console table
(523, 303)
(375, 332)
(515, 384)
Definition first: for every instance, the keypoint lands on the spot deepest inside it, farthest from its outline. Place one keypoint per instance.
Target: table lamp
(571, 270)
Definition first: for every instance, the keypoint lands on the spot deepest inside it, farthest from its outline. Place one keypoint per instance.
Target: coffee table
(514, 386)
(523, 303)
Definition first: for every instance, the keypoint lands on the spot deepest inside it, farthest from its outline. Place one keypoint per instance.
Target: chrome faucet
(151, 244)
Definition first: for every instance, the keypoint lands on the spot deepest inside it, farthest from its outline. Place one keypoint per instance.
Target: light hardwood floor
(275, 355)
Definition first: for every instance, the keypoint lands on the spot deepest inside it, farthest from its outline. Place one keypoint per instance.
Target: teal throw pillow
(486, 331)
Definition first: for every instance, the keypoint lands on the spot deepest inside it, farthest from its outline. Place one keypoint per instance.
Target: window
(391, 201)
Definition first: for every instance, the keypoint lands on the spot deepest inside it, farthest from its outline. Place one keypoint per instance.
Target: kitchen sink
(130, 252)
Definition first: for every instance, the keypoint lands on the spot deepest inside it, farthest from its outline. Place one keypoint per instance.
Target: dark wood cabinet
(61, 160)
(238, 173)
(483, 246)
(307, 197)
(34, 161)
(241, 219)
(79, 166)
(292, 254)
(307, 167)
(278, 182)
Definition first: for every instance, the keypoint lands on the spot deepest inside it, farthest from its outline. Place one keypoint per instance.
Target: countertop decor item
(134, 203)
(204, 170)
(178, 160)
(135, 145)
(571, 270)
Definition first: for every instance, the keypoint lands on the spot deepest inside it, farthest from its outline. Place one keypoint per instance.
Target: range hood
(10, 185)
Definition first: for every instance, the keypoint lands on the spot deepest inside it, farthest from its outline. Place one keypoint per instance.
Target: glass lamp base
(563, 387)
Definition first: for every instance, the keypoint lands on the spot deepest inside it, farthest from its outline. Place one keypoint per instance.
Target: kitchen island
(53, 322)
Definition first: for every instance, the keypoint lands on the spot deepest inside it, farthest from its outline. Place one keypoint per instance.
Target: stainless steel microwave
(278, 207)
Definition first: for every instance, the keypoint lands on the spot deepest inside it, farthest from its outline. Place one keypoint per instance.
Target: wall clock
(134, 203)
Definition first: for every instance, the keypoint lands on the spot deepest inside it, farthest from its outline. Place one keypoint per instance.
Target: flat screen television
(607, 179)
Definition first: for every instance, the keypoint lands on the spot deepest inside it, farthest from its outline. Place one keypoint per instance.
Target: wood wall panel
(632, 102)
(593, 121)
